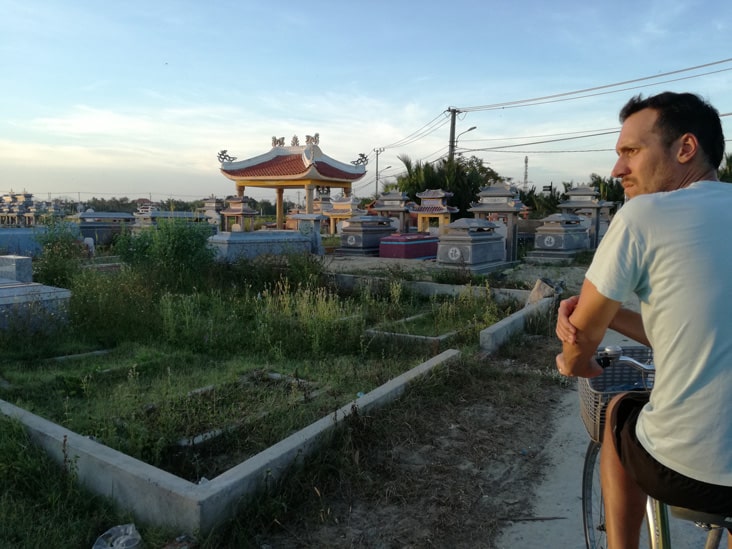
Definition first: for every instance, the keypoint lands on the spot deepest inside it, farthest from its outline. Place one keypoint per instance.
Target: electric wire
(595, 88)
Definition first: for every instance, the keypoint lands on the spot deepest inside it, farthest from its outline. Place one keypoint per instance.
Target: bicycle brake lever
(609, 355)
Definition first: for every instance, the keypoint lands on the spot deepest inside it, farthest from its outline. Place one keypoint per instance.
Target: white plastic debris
(124, 536)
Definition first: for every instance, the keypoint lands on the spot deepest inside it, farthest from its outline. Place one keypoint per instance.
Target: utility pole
(454, 138)
(451, 148)
(378, 151)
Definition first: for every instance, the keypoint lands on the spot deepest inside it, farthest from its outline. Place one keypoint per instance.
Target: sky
(136, 98)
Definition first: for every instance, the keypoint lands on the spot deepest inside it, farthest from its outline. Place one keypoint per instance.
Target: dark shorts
(657, 480)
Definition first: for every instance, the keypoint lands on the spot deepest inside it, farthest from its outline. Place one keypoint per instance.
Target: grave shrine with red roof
(433, 205)
(294, 167)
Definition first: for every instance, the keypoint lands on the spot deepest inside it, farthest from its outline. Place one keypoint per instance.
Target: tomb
(409, 246)
(584, 200)
(433, 205)
(501, 202)
(471, 244)
(238, 216)
(26, 302)
(394, 204)
(559, 238)
(342, 208)
(363, 235)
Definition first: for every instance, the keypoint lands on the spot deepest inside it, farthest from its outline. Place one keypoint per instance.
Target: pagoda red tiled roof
(292, 163)
(279, 166)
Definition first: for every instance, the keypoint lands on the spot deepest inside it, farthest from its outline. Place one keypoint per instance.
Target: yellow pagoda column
(280, 208)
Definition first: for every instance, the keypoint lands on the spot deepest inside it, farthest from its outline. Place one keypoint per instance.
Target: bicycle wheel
(593, 510)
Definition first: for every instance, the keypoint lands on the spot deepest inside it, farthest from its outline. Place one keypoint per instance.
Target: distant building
(20, 210)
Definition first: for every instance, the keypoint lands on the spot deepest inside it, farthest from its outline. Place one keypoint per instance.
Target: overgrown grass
(358, 464)
(468, 313)
(258, 348)
(42, 505)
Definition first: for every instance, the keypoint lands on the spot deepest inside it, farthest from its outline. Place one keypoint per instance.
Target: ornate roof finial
(278, 142)
(312, 139)
(362, 159)
(223, 157)
(295, 141)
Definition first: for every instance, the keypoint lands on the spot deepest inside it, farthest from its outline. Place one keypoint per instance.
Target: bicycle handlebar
(614, 353)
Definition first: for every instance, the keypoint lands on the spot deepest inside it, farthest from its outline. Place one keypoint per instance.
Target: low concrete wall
(160, 498)
(494, 336)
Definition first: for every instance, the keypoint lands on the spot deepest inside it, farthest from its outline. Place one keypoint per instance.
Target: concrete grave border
(160, 498)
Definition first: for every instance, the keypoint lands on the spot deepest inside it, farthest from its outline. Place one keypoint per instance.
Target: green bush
(174, 256)
(109, 308)
(61, 255)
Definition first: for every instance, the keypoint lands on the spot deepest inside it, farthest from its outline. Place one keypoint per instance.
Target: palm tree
(464, 178)
(725, 172)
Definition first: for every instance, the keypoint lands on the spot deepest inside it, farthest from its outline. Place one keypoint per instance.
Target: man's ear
(688, 148)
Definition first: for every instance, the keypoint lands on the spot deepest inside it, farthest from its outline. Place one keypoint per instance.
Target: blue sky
(136, 98)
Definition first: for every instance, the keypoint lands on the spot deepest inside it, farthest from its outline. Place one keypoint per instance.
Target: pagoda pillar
(309, 198)
(280, 208)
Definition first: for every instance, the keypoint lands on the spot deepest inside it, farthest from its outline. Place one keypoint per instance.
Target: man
(671, 245)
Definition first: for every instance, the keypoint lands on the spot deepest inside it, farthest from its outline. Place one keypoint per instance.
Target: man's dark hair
(680, 113)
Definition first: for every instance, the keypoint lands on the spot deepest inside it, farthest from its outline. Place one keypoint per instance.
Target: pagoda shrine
(433, 205)
(294, 167)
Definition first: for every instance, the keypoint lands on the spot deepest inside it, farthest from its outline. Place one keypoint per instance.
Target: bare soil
(449, 465)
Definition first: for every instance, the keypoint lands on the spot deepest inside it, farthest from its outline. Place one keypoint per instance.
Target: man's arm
(591, 318)
(626, 322)
(630, 324)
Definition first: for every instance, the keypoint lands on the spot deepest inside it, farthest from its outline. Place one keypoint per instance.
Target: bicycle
(625, 369)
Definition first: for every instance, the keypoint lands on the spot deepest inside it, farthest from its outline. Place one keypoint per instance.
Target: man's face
(645, 165)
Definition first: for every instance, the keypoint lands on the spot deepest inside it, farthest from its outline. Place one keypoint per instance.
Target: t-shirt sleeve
(616, 265)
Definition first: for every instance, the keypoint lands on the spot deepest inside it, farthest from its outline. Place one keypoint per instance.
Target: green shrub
(61, 255)
(108, 308)
(174, 256)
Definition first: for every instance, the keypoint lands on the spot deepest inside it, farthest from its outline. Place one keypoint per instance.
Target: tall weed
(109, 308)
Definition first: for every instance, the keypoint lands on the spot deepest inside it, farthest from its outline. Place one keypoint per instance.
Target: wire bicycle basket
(596, 392)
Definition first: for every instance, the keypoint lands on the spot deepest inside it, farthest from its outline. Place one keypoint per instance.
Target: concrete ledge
(496, 335)
(160, 498)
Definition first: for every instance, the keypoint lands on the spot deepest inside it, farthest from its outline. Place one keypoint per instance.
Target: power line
(595, 88)
(431, 126)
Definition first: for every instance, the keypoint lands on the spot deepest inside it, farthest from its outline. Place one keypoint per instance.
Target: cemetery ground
(457, 456)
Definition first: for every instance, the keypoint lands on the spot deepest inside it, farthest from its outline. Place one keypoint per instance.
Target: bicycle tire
(593, 509)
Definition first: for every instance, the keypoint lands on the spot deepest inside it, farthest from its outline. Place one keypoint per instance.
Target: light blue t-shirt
(674, 251)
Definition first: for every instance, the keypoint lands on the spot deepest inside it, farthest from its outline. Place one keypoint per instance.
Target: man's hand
(594, 368)
(565, 331)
